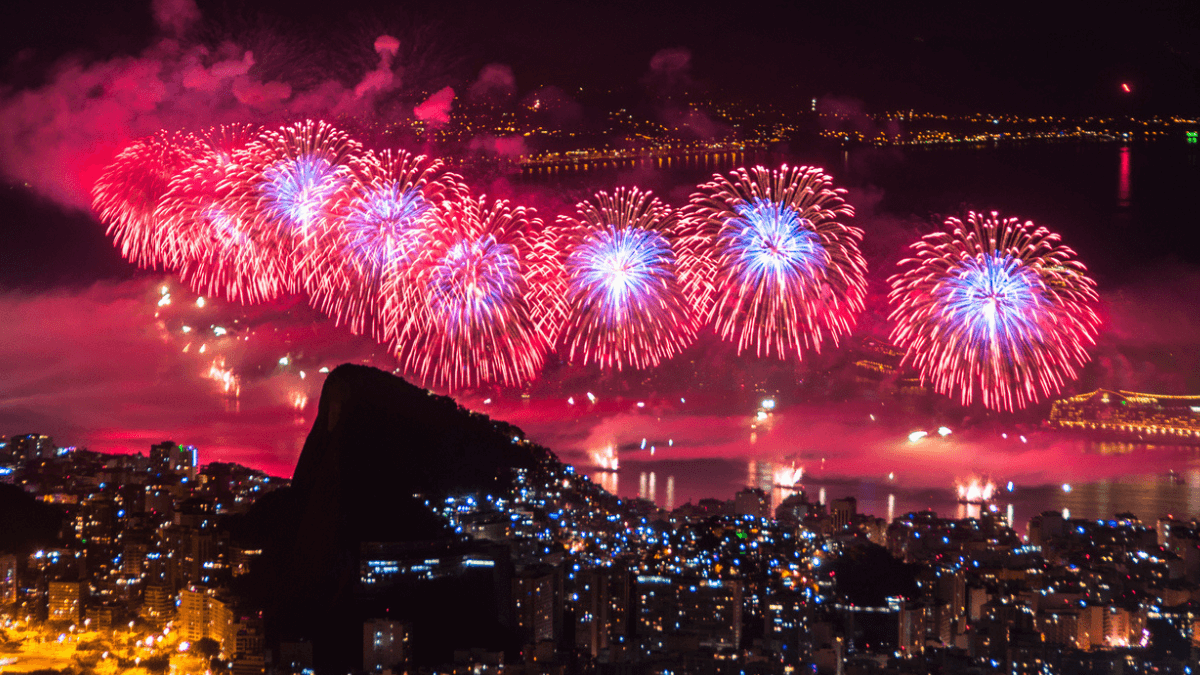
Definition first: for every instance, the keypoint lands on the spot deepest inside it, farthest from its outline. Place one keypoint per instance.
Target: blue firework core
(619, 267)
(225, 229)
(770, 241)
(993, 299)
(384, 224)
(295, 190)
(474, 279)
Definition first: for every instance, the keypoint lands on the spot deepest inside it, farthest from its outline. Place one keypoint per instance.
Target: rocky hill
(378, 448)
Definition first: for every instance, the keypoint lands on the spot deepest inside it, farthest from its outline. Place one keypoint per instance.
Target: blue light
(294, 191)
(617, 269)
(475, 279)
(384, 226)
(993, 301)
(770, 243)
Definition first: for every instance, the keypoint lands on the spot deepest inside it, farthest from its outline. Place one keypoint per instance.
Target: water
(670, 484)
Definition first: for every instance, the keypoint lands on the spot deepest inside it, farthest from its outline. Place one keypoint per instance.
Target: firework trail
(474, 323)
(994, 309)
(783, 274)
(128, 192)
(379, 226)
(618, 300)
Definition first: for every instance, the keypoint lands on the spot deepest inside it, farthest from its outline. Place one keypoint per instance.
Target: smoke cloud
(495, 82)
(382, 77)
(57, 137)
(670, 70)
(175, 16)
(435, 110)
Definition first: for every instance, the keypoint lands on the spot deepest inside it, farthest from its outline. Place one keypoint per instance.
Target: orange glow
(606, 459)
(789, 476)
(976, 490)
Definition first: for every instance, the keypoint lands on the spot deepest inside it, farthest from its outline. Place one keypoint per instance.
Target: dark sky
(1018, 57)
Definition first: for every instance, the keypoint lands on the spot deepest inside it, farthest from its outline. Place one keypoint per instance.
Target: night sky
(85, 358)
(952, 57)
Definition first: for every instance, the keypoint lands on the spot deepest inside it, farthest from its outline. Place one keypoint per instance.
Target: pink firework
(994, 309)
(473, 324)
(619, 295)
(377, 229)
(127, 195)
(205, 215)
(286, 188)
(783, 271)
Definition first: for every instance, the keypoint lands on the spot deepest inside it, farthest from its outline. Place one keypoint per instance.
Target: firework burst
(778, 271)
(128, 192)
(379, 227)
(291, 181)
(619, 300)
(473, 323)
(206, 217)
(994, 309)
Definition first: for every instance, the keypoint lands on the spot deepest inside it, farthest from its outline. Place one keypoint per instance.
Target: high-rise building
(602, 610)
(787, 622)
(752, 502)
(8, 580)
(675, 610)
(203, 615)
(96, 522)
(30, 448)
(384, 644)
(534, 603)
(842, 511)
(248, 655)
(66, 601)
(193, 542)
(911, 629)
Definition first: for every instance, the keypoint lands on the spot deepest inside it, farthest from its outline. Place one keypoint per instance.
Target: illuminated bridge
(1130, 415)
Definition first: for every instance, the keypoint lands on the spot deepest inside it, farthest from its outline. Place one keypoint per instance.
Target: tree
(868, 575)
(207, 647)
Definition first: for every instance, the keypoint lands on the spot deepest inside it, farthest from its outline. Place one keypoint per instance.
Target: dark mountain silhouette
(378, 449)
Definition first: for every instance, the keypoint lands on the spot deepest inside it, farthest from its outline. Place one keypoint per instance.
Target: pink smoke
(495, 81)
(382, 77)
(435, 110)
(56, 138)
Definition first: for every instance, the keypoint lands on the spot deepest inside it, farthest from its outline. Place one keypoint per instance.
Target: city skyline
(796, 337)
(506, 558)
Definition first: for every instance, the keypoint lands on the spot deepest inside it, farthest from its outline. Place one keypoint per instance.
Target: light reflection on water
(1147, 496)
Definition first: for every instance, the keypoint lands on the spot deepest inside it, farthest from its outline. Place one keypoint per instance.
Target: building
(203, 615)
(842, 511)
(66, 601)
(683, 613)
(534, 603)
(30, 448)
(249, 657)
(169, 456)
(8, 580)
(752, 502)
(385, 644)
